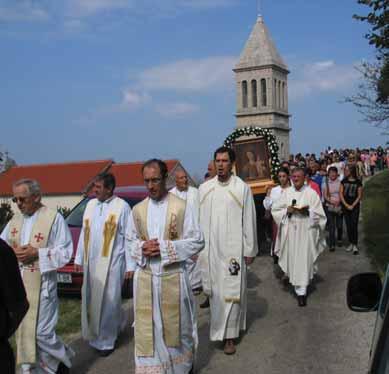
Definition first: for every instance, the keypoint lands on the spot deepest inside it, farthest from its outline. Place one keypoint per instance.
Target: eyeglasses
(153, 181)
(20, 199)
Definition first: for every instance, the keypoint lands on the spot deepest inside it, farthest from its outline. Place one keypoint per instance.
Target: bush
(63, 210)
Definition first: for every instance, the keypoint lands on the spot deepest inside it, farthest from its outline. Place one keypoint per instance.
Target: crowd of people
(174, 244)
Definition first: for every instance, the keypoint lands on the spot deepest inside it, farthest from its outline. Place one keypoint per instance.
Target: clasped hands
(26, 254)
(150, 248)
(300, 210)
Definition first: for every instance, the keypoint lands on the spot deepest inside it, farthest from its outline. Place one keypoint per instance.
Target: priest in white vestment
(273, 195)
(191, 196)
(164, 234)
(301, 223)
(101, 255)
(42, 243)
(228, 220)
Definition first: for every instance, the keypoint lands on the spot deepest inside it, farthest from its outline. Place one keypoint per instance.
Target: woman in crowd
(272, 195)
(350, 196)
(331, 194)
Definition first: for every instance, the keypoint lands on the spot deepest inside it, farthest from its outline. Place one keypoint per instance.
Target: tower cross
(259, 8)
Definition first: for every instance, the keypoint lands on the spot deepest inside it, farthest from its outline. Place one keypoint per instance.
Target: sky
(135, 79)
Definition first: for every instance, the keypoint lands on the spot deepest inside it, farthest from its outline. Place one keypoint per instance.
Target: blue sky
(134, 79)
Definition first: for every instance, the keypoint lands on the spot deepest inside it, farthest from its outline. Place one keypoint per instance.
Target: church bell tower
(262, 87)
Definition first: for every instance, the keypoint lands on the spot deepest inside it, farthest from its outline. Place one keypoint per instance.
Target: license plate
(64, 278)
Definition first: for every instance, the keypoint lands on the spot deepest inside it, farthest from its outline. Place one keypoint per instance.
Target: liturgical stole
(92, 298)
(26, 333)
(170, 282)
(233, 250)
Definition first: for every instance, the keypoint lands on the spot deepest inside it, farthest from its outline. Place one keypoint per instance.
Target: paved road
(323, 338)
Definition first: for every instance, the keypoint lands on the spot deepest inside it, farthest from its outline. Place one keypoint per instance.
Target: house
(65, 184)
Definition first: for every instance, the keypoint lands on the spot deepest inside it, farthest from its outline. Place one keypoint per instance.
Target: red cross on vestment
(38, 237)
(14, 232)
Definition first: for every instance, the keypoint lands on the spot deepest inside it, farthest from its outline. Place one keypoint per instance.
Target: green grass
(69, 319)
(375, 210)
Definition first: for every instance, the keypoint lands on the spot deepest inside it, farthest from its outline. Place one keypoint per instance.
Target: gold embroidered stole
(170, 283)
(26, 333)
(93, 286)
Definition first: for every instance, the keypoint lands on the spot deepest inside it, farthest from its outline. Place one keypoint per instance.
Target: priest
(164, 234)
(42, 243)
(301, 222)
(228, 220)
(102, 257)
(191, 196)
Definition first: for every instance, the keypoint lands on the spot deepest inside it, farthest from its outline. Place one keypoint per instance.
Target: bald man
(191, 196)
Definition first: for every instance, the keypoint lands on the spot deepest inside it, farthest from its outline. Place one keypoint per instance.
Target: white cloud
(132, 99)
(321, 77)
(85, 8)
(22, 11)
(174, 110)
(212, 73)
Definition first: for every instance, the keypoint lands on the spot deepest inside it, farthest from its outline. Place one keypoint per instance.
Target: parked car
(366, 293)
(69, 281)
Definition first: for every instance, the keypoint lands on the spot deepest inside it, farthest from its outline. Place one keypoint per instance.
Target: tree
(372, 97)
(6, 214)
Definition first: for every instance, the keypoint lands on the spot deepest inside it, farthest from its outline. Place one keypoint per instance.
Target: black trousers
(335, 226)
(7, 360)
(352, 217)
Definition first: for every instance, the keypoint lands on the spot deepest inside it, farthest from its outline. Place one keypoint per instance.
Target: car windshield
(74, 219)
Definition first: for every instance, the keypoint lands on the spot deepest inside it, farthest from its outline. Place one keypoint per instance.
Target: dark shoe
(285, 280)
(105, 352)
(275, 259)
(205, 304)
(302, 300)
(62, 369)
(229, 347)
(332, 249)
(197, 291)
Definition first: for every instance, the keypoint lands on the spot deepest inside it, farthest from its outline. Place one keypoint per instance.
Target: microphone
(293, 204)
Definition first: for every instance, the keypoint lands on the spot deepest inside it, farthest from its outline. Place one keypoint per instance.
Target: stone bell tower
(262, 87)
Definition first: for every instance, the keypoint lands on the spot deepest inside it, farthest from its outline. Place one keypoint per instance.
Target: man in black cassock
(13, 304)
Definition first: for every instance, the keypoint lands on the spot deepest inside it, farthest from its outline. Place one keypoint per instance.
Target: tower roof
(260, 49)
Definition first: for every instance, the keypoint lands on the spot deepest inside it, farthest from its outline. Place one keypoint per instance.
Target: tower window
(279, 94)
(254, 93)
(275, 94)
(244, 94)
(263, 92)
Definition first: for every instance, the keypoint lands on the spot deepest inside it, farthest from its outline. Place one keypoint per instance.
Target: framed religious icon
(252, 160)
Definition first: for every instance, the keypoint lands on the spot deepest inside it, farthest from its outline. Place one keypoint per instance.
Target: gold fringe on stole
(109, 233)
(26, 333)
(86, 239)
(171, 314)
(234, 300)
(144, 335)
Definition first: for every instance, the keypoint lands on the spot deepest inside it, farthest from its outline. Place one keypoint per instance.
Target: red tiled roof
(55, 179)
(130, 174)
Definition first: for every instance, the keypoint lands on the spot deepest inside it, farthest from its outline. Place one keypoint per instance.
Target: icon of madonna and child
(252, 160)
